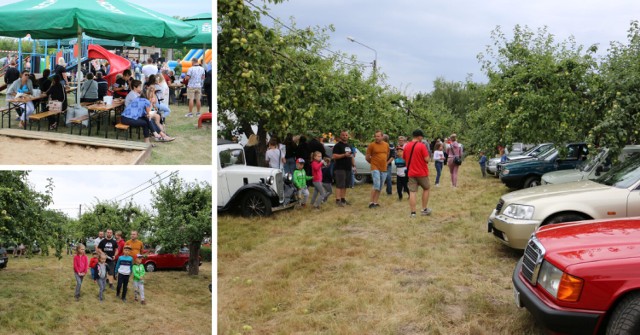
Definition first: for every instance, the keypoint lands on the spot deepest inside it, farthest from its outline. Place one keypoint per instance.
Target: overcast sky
(171, 8)
(418, 41)
(85, 185)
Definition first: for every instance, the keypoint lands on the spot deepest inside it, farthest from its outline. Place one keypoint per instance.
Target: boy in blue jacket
(123, 269)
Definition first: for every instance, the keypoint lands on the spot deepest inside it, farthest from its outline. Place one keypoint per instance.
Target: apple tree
(539, 90)
(184, 212)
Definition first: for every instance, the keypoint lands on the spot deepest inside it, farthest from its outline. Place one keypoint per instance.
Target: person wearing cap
(417, 157)
(300, 181)
(378, 156)
(454, 150)
(123, 269)
(138, 282)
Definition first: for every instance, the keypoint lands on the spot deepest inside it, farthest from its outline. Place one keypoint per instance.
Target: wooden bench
(5, 112)
(121, 127)
(77, 121)
(38, 117)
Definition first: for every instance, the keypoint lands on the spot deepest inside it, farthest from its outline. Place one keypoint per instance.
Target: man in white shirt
(149, 68)
(195, 76)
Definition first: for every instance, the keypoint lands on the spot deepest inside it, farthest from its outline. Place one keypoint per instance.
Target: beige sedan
(519, 213)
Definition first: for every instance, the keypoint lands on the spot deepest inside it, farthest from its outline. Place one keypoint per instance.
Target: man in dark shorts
(109, 246)
(417, 157)
(343, 164)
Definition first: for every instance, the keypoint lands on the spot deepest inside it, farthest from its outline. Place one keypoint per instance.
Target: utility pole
(80, 211)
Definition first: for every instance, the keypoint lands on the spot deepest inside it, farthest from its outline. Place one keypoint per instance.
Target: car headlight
(505, 172)
(270, 180)
(562, 286)
(521, 212)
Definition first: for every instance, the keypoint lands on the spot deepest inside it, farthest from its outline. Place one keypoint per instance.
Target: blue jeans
(438, 171)
(290, 165)
(78, 284)
(164, 109)
(388, 180)
(378, 176)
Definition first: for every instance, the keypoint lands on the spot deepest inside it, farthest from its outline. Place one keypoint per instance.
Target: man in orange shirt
(378, 156)
(135, 244)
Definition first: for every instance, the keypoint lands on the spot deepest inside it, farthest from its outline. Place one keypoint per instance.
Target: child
(80, 268)
(401, 173)
(92, 265)
(439, 158)
(123, 269)
(101, 270)
(326, 179)
(316, 171)
(300, 181)
(138, 282)
(483, 164)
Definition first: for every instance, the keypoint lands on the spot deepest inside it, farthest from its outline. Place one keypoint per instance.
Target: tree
(23, 217)
(538, 91)
(184, 212)
(618, 98)
(111, 215)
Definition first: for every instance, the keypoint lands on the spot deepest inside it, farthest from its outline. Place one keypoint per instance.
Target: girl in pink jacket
(80, 267)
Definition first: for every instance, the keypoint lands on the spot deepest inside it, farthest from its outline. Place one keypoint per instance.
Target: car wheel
(255, 203)
(150, 267)
(360, 179)
(186, 266)
(625, 319)
(532, 181)
(569, 217)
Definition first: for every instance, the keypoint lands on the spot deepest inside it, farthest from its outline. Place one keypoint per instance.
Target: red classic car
(583, 277)
(157, 260)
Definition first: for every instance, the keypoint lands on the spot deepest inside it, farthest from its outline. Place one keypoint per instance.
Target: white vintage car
(254, 191)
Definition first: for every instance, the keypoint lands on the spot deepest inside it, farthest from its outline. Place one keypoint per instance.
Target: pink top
(80, 264)
(316, 171)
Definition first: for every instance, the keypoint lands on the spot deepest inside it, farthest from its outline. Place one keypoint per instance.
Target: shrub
(205, 253)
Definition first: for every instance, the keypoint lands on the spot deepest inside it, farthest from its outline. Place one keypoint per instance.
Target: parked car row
(580, 231)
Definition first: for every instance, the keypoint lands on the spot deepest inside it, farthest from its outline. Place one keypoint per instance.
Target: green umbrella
(203, 36)
(110, 19)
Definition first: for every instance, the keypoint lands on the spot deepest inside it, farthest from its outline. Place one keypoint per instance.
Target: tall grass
(36, 297)
(356, 270)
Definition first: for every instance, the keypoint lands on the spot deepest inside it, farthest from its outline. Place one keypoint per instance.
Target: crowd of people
(114, 261)
(310, 166)
(153, 78)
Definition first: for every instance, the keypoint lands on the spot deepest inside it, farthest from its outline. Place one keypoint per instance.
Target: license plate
(516, 296)
(489, 226)
(1, 261)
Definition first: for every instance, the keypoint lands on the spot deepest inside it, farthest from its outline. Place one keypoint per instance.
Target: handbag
(54, 106)
(457, 160)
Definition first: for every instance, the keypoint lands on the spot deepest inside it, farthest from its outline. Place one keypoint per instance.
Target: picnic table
(100, 110)
(17, 102)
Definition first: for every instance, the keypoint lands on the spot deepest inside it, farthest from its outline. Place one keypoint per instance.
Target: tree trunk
(194, 258)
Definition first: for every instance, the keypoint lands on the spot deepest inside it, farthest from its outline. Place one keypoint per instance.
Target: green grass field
(356, 270)
(36, 297)
(192, 146)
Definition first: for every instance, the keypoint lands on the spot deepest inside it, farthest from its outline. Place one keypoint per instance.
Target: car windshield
(231, 157)
(537, 150)
(622, 175)
(550, 154)
(589, 164)
(543, 150)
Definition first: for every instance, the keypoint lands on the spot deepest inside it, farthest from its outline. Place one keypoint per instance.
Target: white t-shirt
(149, 69)
(273, 157)
(438, 155)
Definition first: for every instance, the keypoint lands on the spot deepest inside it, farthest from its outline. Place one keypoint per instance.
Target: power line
(297, 32)
(151, 185)
(133, 189)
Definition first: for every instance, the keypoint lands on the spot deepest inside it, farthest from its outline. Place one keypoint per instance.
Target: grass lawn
(36, 297)
(192, 146)
(355, 270)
